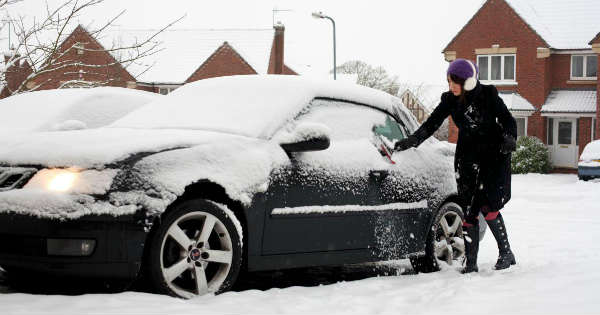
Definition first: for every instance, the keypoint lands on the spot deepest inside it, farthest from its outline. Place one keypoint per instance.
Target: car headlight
(73, 181)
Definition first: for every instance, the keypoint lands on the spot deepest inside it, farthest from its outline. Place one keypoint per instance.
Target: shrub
(532, 156)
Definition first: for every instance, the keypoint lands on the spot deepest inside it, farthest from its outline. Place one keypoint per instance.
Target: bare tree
(373, 77)
(40, 46)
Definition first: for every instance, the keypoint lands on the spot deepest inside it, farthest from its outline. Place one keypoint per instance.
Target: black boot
(471, 247)
(506, 258)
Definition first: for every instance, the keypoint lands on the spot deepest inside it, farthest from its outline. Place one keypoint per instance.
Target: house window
(166, 90)
(521, 126)
(550, 131)
(497, 67)
(584, 67)
(79, 47)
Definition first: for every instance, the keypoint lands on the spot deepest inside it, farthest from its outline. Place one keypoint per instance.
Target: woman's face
(455, 88)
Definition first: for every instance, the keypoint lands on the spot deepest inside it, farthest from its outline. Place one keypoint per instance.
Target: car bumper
(589, 171)
(118, 250)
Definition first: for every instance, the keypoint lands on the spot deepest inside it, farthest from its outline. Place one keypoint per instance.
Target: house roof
(429, 95)
(570, 101)
(515, 102)
(183, 50)
(563, 24)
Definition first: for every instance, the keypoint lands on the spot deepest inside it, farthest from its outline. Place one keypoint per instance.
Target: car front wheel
(196, 250)
(445, 241)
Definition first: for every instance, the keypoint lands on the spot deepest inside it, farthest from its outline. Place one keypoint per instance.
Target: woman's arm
(427, 129)
(507, 122)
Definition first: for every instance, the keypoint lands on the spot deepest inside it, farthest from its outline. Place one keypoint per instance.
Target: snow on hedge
(68, 109)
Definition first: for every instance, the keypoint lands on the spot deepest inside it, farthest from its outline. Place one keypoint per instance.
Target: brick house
(191, 55)
(78, 47)
(543, 58)
(421, 100)
(184, 56)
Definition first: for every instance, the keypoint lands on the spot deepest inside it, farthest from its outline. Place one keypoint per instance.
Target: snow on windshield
(68, 109)
(250, 105)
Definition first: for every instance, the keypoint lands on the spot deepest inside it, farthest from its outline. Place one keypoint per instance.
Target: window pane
(564, 132)
(577, 66)
(577, 131)
(550, 131)
(520, 127)
(591, 66)
(390, 130)
(509, 67)
(482, 63)
(496, 68)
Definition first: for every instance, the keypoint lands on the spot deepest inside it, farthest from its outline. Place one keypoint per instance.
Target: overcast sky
(405, 37)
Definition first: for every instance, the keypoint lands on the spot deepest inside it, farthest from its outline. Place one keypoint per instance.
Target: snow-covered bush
(532, 156)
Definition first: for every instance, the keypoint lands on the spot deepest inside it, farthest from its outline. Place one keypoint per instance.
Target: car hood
(96, 148)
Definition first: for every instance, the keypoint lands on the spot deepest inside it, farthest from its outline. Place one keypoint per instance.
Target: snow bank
(66, 109)
(251, 105)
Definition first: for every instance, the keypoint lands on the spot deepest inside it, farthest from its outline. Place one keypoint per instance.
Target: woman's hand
(406, 143)
(508, 144)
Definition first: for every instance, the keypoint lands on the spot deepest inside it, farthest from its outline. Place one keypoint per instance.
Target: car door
(322, 200)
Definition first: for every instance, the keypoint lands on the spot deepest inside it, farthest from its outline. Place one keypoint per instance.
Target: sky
(405, 37)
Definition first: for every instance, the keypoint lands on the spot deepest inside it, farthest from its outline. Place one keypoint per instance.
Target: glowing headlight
(73, 180)
(62, 181)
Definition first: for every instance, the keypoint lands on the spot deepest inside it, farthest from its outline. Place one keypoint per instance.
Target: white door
(565, 149)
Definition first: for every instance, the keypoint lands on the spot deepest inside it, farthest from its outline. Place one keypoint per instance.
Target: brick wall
(111, 73)
(224, 61)
(585, 132)
(497, 24)
(561, 74)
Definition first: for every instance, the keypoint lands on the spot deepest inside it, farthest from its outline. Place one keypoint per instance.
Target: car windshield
(241, 106)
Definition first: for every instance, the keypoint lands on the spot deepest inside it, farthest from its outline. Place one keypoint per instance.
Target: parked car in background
(589, 161)
(68, 109)
(253, 172)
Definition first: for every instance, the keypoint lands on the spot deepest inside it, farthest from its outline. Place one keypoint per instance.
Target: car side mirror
(313, 144)
(305, 137)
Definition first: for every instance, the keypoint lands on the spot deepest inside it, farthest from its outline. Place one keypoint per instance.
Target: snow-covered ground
(554, 228)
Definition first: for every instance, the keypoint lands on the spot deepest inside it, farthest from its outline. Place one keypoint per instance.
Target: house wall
(113, 75)
(497, 24)
(585, 132)
(224, 62)
(561, 74)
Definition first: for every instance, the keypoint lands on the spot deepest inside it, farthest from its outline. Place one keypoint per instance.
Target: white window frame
(584, 67)
(526, 123)
(502, 81)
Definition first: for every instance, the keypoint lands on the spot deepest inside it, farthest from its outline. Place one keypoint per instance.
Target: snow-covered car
(225, 174)
(68, 109)
(589, 161)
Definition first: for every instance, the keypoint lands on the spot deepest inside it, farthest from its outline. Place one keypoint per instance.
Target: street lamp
(320, 15)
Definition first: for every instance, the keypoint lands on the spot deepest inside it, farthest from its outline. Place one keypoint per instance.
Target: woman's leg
(471, 230)
(494, 220)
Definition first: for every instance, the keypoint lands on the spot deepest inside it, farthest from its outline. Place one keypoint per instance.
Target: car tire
(445, 235)
(196, 249)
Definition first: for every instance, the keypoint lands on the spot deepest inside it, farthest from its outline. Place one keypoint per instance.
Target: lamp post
(320, 15)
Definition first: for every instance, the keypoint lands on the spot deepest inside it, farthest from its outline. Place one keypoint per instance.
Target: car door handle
(378, 175)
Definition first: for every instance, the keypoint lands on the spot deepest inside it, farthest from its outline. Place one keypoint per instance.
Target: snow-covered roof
(68, 108)
(184, 50)
(249, 105)
(515, 102)
(563, 24)
(568, 101)
(428, 94)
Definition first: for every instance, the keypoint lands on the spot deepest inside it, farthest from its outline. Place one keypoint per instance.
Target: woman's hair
(460, 81)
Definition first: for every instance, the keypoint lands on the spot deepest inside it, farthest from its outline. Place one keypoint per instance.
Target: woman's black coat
(483, 121)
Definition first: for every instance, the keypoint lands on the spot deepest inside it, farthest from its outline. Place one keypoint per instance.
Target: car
(230, 174)
(68, 109)
(589, 161)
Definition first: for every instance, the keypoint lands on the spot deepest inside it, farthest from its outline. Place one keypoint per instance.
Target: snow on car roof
(591, 151)
(66, 109)
(249, 105)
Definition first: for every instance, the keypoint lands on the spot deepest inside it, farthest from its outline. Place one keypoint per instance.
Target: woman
(486, 138)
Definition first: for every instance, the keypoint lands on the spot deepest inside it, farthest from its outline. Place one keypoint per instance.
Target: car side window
(390, 129)
(346, 121)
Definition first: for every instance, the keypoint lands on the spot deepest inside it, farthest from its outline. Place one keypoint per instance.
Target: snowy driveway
(554, 229)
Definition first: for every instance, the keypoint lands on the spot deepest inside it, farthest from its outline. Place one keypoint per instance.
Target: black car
(225, 174)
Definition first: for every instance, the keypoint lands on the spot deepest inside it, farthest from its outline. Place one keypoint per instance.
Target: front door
(564, 151)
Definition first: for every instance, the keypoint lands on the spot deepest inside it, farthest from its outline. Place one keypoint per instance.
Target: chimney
(278, 48)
